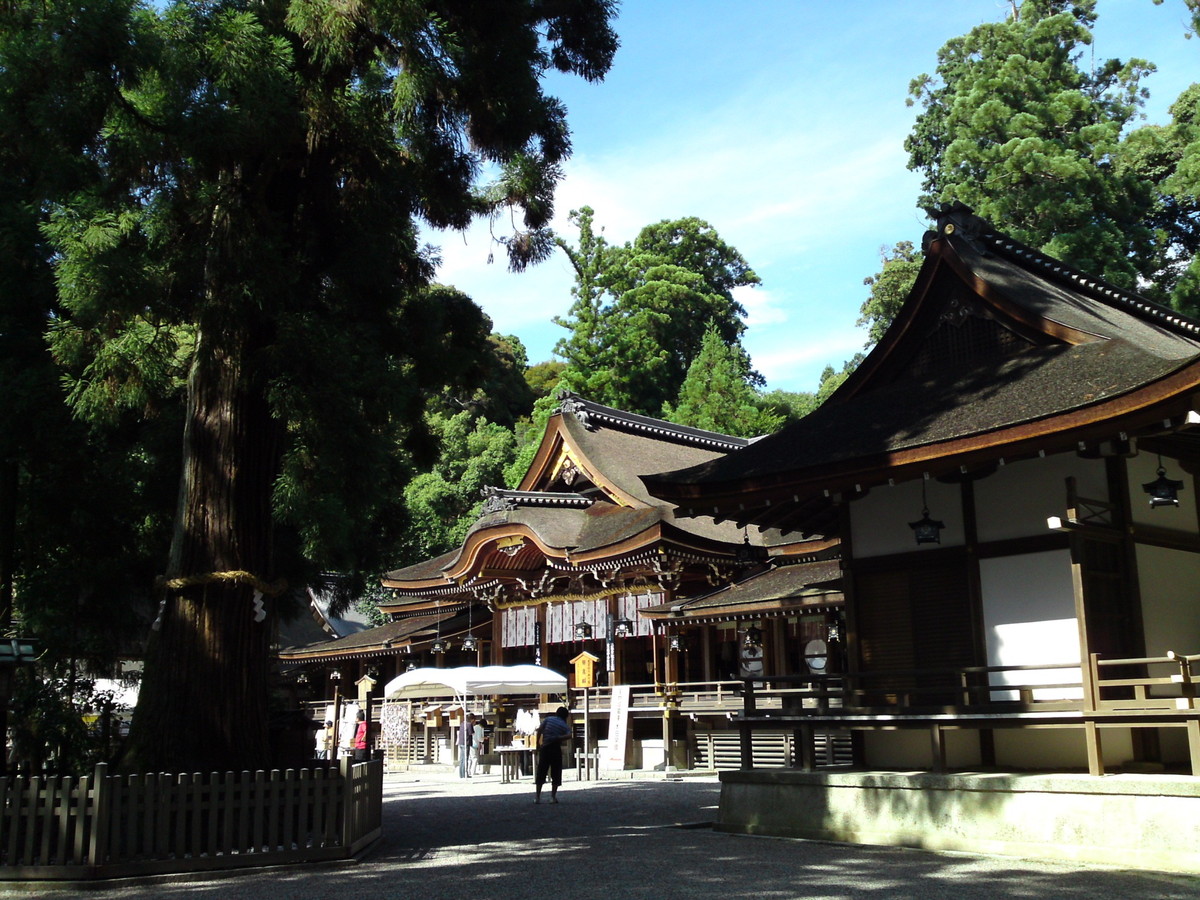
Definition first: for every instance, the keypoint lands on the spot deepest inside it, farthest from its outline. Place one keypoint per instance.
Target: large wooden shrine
(1011, 473)
(568, 560)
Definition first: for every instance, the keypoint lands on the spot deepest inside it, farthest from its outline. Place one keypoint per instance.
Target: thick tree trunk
(203, 701)
(8, 561)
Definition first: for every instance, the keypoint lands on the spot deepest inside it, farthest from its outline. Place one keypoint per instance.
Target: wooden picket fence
(111, 826)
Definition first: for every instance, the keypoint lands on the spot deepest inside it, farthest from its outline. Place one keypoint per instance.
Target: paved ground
(481, 840)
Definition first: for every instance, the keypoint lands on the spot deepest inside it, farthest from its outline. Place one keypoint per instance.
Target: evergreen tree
(1168, 158)
(641, 309)
(717, 394)
(262, 174)
(1016, 128)
(889, 288)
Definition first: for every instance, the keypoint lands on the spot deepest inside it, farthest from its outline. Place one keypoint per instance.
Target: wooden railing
(108, 826)
(686, 696)
(1146, 692)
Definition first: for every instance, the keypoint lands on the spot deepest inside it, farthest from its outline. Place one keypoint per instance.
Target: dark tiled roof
(397, 632)
(621, 447)
(424, 570)
(798, 582)
(594, 415)
(1034, 384)
(1133, 343)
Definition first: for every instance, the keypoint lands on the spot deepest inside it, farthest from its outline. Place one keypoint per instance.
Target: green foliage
(717, 395)
(241, 202)
(529, 434)
(61, 724)
(443, 503)
(790, 405)
(542, 377)
(84, 511)
(889, 288)
(1168, 158)
(640, 310)
(1016, 128)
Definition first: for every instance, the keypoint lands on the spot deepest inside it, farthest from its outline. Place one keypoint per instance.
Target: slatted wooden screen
(911, 619)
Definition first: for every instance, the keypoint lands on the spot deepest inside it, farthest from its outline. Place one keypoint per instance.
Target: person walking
(553, 731)
(324, 740)
(476, 747)
(360, 737)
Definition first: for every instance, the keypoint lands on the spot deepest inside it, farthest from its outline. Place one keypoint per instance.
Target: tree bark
(203, 701)
(9, 472)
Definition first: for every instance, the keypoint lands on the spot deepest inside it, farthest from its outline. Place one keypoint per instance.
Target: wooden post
(1193, 733)
(337, 721)
(746, 734)
(1095, 753)
(97, 809)
(346, 772)
(937, 742)
(804, 747)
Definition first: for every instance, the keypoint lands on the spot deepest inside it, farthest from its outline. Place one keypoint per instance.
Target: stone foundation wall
(1136, 821)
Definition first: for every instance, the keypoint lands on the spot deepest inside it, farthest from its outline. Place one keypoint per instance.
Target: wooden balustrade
(1149, 692)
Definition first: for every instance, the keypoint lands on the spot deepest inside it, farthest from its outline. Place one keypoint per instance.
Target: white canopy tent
(479, 681)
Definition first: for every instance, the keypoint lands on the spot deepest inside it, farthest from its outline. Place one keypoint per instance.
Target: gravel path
(482, 840)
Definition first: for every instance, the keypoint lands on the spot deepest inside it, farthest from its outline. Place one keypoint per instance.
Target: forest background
(349, 455)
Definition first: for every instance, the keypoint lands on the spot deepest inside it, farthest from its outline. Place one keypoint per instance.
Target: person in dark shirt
(551, 733)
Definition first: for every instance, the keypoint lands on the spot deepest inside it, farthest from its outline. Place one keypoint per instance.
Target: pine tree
(1016, 127)
(717, 394)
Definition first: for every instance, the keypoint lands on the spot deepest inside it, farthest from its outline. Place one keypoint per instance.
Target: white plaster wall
(1016, 500)
(1143, 468)
(1170, 585)
(1058, 748)
(897, 750)
(913, 749)
(1029, 620)
(879, 521)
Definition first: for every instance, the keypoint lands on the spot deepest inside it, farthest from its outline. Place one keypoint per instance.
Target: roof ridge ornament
(959, 219)
(570, 402)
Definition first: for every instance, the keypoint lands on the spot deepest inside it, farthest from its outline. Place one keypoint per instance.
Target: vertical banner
(618, 729)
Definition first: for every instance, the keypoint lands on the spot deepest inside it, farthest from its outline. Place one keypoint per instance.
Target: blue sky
(780, 122)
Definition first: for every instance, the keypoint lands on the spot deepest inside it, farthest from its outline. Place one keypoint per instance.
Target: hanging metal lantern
(753, 637)
(675, 642)
(1163, 491)
(583, 630)
(470, 643)
(622, 627)
(925, 529)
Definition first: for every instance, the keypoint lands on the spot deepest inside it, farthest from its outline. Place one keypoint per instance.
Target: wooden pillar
(749, 708)
(1095, 754)
(937, 746)
(804, 747)
(1193, 733)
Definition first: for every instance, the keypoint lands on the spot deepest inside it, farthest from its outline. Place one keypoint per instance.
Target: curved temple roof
(582, 504)
(999, 351)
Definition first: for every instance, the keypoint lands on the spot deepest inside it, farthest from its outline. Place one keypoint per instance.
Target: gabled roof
(608, 450)
(582, 503)
(386, 640)
(782, 590)
(999, 352)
